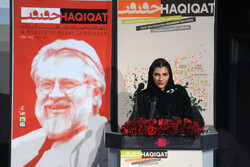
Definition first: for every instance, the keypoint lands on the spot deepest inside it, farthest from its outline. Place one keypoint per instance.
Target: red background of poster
(26, 46)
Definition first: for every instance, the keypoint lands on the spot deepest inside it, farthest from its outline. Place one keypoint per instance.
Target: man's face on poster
(64, 95)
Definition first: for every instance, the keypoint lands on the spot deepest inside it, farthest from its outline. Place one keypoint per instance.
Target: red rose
(164, 125)
(151, 130)
(178, 121)
(124, 130)
(141, 129)
(148, 122)
(198, 132)
(181, 129)
(141, 120)
(160, 122)
(160, 132)
(170, 131)
(154, 121)
(173, 129)
(186, 120)
(129, 128)
(170, 121)
(128, 123)
(174, 125)
(196, 124)
(134, 123)
(132, 131)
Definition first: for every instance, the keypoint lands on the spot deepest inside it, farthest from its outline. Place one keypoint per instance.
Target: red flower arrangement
(162, 126)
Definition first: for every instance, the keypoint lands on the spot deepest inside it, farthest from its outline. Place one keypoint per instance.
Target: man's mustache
(56, 104)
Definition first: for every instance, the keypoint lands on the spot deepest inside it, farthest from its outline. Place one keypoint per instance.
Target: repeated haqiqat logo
(63, 15)
(160, 8)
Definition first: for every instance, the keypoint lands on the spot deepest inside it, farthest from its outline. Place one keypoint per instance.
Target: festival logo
(159, 8)
(63, 15)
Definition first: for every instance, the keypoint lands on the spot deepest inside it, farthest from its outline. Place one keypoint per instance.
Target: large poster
(61, 82)
(180, 31)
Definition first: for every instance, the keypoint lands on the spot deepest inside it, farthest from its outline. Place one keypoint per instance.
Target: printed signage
(61, 82)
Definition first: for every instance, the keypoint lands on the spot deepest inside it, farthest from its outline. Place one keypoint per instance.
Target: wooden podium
(156, 151)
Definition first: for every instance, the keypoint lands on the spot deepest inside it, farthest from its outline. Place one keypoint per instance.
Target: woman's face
(161, 77)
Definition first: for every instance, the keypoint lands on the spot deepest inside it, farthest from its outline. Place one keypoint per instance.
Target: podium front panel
(159, 158)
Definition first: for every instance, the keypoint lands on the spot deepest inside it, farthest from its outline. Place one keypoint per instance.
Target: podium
(156, 151)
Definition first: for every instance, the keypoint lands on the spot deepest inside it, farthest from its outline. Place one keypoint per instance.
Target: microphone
(140, 87)
(153, 106)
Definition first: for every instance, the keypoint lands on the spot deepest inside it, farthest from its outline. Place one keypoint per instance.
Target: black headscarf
(152, 89)
(164, 107)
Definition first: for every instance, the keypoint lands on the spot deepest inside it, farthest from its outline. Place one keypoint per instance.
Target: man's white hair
(78, 49)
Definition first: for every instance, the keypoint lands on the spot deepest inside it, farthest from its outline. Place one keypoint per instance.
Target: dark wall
(233, 19)
(232, 82)
(233, 25)
(5, 129)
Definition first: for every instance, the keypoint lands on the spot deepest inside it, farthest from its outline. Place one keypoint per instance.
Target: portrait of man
(70, 82)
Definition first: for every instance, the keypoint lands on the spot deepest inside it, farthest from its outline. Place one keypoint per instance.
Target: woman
(162, 96)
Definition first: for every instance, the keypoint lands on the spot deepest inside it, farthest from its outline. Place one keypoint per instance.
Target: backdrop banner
(61, 64)
(180, 31)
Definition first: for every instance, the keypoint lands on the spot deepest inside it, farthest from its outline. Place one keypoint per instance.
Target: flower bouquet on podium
(161, 127)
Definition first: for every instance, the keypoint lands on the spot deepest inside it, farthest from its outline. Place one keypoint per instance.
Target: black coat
(175, 102)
